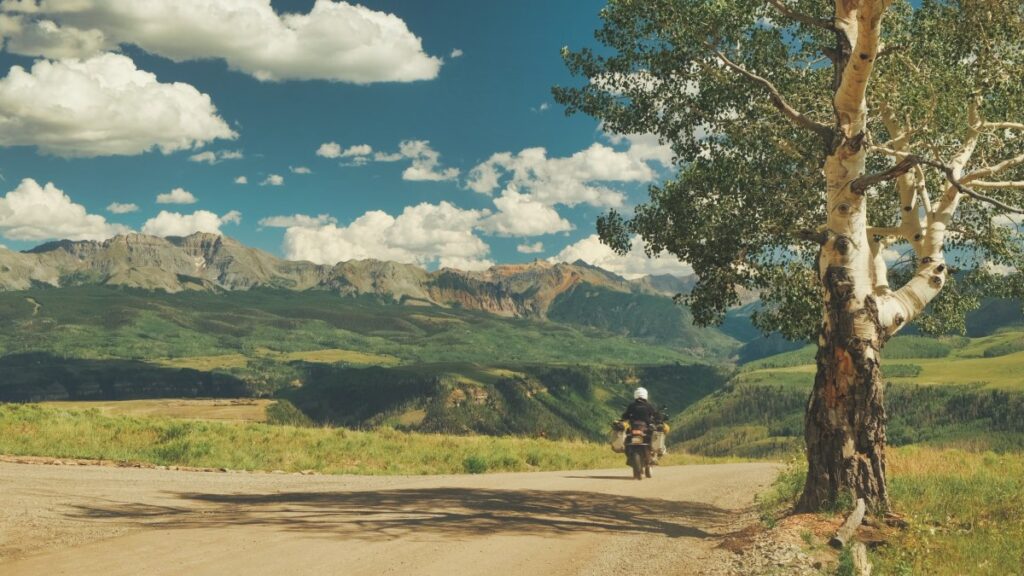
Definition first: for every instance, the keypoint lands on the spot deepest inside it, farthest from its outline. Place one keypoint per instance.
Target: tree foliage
(742, 91)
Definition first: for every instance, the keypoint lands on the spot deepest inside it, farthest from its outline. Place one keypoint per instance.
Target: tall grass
(966, 513)
(38, 431)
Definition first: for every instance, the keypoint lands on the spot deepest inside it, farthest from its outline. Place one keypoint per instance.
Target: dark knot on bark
(843, 245)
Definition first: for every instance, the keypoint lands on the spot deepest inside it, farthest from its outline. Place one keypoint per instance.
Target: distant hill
(210, 263)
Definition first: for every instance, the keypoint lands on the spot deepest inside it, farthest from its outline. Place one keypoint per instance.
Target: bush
(474, 465)
(285, 413)
(901, 370)
(1004, 348)
(916, 347)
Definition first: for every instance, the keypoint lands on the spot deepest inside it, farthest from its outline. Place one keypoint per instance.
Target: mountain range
(214, 263)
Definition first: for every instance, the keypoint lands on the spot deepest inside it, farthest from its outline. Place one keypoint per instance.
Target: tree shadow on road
(430, 513)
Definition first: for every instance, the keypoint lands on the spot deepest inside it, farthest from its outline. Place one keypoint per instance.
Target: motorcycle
(642, 444)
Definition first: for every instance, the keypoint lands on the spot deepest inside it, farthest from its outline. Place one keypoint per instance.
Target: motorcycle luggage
(618, 441)
(658, 443)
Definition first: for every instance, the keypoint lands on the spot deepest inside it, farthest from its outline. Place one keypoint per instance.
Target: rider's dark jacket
(640, 409)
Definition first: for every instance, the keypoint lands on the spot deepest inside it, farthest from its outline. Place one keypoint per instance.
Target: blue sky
(485, 72)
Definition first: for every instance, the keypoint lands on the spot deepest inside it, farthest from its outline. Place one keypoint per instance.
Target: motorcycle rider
(640, 409)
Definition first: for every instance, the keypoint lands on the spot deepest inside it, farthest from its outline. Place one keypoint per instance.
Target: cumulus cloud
(299, 170)
(241, 180)
(176, 196)
(175, 224)
(535, 248)
(358, 154)
(103, 106)
(298, 220)
(329, 150)
(388, 156)
(119, 208)
(456, 53)
(999, 269)
(635, 264)
(34, 212)
(273, 180)
(425, 162)
(425, 234)
(645, 148)
(335, 41)
(216, 157)
(357, 150)
(1007, 221)
(45, 38)
(570, 181)
(521, 215)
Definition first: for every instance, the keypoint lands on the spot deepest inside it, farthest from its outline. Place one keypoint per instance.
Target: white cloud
(425, 161)
(425, 234)
(45, 38)
(359, 153)
(329, 150)
(120, 208)
(103, 106)
(298, 220)
(388, 157)
(174, 224)
(535, 248)
(1006, 220)
(645, 148)
(633, 265)
(456, 53)
(521, 215)
(211, 157)
(34, 212)
(273, 180)
(999, 269)
(357, 150)
(572, 180)
(176, 196)
(241, 180)
(299, 170)
(335, 41)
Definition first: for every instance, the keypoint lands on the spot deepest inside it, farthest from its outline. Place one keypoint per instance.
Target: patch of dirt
(126, 519)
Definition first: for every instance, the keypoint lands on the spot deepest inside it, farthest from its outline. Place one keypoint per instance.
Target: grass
(205, 363)
(44, 431)
(336, 355)
(995, 362)
(966, 513)
(236, 410)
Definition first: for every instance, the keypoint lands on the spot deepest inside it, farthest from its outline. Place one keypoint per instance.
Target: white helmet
(640, 392)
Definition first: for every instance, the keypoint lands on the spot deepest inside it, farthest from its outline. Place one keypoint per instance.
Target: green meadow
(62, 433)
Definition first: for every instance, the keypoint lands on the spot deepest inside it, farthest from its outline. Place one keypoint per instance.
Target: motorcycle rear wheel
(637, 463)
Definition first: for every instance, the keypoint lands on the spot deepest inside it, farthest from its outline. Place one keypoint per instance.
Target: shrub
(1004, 348)
(285, 413)
(474, 465)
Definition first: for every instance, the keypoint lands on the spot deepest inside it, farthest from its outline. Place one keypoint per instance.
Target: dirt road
(88, 520)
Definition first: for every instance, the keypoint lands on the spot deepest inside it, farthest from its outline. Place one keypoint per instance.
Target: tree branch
(1002, 126)
(801, 17)
(886, 231)
(860, 185)
(1006, 185)
(993, 170)
(911, 160)
(776, 97)
(817, 236)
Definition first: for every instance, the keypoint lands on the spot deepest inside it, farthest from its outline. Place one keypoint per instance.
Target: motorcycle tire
(636, 461)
